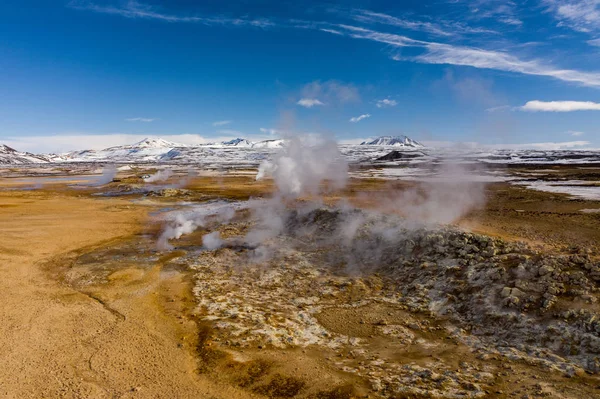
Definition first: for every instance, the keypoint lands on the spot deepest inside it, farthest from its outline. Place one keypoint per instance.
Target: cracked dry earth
(110, 340)
(385, 310)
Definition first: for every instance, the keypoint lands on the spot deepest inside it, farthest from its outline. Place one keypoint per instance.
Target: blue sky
(81, 74)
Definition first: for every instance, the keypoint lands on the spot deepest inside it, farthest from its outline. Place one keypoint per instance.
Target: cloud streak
(222, 123)
(135, 10)
(146, 120)
(357, 119)
(448, 54)
(371, 17)
(442, 29)
(560, 106)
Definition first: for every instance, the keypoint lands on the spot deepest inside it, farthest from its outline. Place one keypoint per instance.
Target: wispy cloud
(442, 28)
(579, 15)
(147, 120)
(575, 133)
(221, 123)
(499, 108)
(359, 118)
(386, 102)
(486, 59)
(440, 53)
(560, 106)
(583, 15)
(367, 16)
(134, 9)
(594, 42)
(503, 11)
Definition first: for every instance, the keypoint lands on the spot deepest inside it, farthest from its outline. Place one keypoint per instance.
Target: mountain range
(10, 156)
(394, 141)
(160, 150)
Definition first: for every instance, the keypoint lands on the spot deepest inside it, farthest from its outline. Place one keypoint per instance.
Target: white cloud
(560, 106)
(386, 103)
(359, 118)
(221, 123)
(579, 15)
(140, 119)
(135, 10)
(575, 133)
(309, 102)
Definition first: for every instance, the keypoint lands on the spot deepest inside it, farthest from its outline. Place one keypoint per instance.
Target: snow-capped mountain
(147, 150)
(269, 144)
(10, 156)
(395, 141)
(153, 143)
(245, 143)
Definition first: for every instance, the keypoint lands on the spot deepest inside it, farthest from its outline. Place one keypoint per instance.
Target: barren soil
(90, 309)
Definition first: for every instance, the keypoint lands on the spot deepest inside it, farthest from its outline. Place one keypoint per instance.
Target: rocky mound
(400, 155)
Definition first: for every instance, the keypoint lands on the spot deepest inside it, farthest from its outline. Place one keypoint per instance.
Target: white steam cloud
(186, 222)
(306, 167)
(161, 175)
(212, 241)
(304, 164)
(109, 172)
